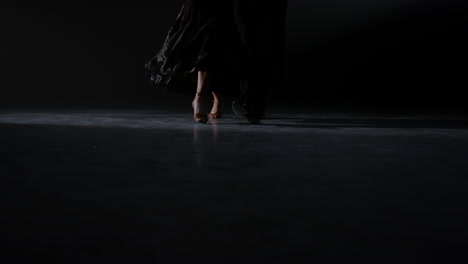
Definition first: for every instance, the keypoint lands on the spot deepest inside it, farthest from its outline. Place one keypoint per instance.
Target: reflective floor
(146, 186)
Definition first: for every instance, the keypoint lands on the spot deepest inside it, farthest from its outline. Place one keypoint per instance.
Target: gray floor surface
(147, 186)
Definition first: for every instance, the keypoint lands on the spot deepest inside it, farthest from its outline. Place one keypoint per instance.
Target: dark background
(389, 54)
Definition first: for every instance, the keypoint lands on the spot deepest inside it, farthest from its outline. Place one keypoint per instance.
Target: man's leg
(264, 40)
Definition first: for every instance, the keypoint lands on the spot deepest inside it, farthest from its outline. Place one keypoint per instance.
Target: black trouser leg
(259, 83)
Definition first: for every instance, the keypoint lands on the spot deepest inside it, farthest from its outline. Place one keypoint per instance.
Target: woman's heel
(198, 105)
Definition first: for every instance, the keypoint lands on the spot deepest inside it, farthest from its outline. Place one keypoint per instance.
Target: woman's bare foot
(198, 105)
(216, 110)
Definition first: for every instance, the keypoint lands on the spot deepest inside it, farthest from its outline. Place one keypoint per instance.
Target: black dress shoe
(254, 116)
(239, 108)
(253, 120)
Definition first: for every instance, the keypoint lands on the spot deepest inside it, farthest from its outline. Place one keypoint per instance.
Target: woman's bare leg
(198, 103)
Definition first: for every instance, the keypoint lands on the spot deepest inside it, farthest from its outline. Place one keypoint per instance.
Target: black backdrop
(383, 54)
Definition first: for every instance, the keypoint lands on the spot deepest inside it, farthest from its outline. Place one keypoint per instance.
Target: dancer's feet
(253, 118)
(198, 105)
(253, 113)
(216, 111)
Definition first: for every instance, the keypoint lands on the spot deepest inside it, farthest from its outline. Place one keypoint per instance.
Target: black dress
(204, 37)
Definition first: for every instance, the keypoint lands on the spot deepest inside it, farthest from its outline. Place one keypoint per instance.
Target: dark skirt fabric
(204, 37)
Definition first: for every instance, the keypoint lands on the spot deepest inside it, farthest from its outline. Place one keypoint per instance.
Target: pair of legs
(204, 84)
